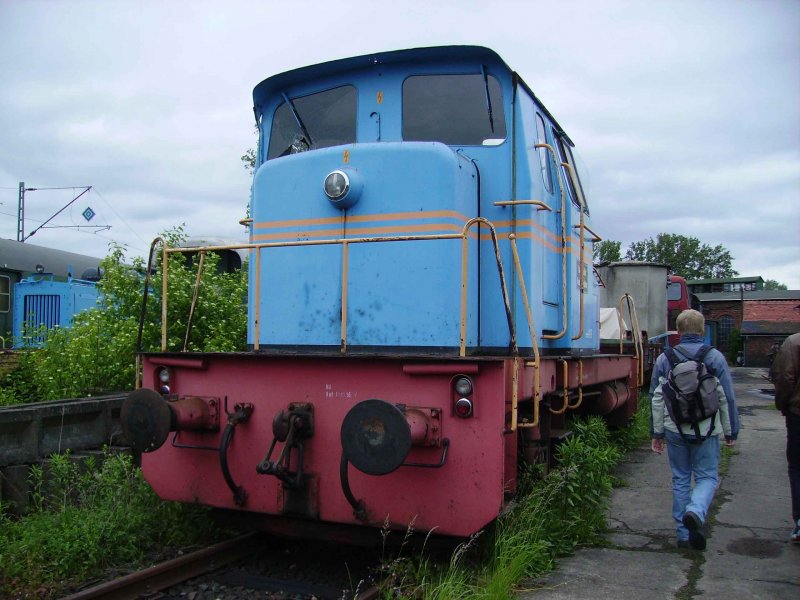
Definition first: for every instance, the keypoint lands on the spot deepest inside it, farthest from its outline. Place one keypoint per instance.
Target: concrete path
(749, 555)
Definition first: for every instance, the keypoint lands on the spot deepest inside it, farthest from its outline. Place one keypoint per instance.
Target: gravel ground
(336, 572)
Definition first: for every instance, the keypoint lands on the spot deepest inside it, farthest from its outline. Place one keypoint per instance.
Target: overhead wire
(114, 210)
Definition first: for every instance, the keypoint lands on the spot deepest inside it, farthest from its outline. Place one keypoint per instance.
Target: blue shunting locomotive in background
(42, 303)
(38, 288)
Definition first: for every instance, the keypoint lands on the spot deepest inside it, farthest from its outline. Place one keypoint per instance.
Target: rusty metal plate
(376, 437)
(146, 420)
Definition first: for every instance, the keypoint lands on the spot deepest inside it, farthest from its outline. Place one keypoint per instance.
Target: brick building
(761, 338)
(762, 317)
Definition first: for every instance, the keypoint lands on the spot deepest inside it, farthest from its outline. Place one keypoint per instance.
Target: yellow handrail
(345, 267)
(164, 271)
(529, 316)
(635, 333)
(541, 205)
(257, 301)
(137, 361)
(582, 227)
(194, 301)
(580, 387)
(595, 238)
(501, 273)
(463, 236)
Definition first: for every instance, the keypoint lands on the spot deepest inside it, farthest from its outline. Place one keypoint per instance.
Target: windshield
(674, 291)
(457, 110)
(315, 121)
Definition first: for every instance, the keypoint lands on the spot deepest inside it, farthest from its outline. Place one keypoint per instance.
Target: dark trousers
(793, 457)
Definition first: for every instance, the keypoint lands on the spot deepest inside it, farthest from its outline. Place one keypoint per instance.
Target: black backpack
(690, 392)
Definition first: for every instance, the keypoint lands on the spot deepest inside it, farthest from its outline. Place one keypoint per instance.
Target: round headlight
(337, 184)
(463, 386)
(163, 376)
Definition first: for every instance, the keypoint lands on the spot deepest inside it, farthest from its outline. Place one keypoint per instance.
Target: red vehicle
(677, 301)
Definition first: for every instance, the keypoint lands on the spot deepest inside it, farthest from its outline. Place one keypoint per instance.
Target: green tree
(687, 256)
(771, 284)
(249, 160)
(607, 251)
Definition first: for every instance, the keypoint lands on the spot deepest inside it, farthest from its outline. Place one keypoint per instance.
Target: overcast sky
(685, 113)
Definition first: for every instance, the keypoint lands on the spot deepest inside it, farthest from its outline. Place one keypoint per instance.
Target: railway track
(225, 570)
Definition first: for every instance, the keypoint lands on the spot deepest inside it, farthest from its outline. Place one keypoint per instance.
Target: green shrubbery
(551, 516)
(97, 353)
(85, 520)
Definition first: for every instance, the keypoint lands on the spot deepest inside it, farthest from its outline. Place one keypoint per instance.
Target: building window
(5, 294)
(726, 324)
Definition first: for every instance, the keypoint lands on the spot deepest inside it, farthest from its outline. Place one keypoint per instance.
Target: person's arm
(657, 406)
(784, 374)
(719, 367)
(724, 416)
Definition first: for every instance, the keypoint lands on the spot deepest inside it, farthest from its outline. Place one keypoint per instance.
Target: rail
(161, 576)
(635, 333)
(534, 344)
(258, 249)
(538, 203)
(580, 388)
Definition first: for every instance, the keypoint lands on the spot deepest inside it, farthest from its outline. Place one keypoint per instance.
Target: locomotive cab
(421, 142)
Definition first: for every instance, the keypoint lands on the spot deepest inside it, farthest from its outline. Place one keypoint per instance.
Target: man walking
(690, 455)
(785, 374)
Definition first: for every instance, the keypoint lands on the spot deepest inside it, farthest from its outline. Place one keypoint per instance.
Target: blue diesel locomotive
(422, 309)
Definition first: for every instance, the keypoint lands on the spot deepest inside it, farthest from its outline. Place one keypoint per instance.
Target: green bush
(551, 516)
(97, 354)
(85, 520)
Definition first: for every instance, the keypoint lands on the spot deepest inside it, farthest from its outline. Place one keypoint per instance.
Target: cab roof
(441, 54)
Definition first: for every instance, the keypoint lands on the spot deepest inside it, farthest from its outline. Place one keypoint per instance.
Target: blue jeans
(685, 460)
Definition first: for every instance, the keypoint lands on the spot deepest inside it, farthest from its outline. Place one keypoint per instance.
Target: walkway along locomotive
(422, 309)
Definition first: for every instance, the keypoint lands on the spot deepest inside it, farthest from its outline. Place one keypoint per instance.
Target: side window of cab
(570, 174)
(544, 154)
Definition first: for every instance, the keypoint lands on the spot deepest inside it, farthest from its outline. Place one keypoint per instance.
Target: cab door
(580, 303)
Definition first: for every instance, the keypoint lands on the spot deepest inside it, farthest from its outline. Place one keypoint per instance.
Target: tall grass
(87, 519)
(550, 518)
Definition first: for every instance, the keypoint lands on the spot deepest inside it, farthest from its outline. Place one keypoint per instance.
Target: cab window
(674, 291)
(457, 110)
(544, 154)
(570, 175)
(312, 122)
